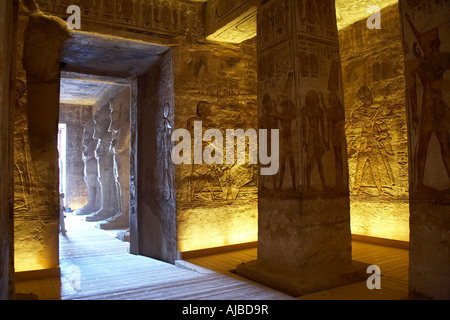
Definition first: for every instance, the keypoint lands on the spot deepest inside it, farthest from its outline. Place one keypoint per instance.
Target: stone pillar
(8, 25)
(304, 238)
(105, 162)
(426, 42)
(41, 59)
(90, 170)
(120, 127)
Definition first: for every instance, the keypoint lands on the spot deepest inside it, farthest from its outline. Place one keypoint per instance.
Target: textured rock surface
(304, 211)
(8, 25)
(105, 164)
(153, 230)
(120, 146)
(211, 197)
(36, 212)
(427, 56)
(376, 126)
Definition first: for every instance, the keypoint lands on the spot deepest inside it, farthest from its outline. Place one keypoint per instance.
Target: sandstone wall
(426, 34)
(216, 204)
(376, 131)
(222, 75)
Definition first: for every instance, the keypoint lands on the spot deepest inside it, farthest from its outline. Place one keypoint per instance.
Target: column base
(298, 284)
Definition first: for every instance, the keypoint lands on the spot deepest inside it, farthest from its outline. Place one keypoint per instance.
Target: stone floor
(96, 266)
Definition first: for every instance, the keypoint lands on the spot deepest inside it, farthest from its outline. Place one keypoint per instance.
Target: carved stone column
(120, 127)
(304, 238)
(90, 170)
(41, 61)
(105, 162)
(8, 48)
(427, 62)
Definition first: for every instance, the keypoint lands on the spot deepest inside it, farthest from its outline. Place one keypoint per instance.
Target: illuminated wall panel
(374, 93)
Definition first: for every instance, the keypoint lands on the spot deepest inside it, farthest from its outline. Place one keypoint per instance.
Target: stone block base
(298, 284)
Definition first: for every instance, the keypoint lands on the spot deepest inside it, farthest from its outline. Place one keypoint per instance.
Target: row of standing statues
(106, 167)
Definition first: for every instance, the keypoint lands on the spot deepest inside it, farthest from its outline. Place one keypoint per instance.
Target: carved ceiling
(92, 54)
(94, 66)
(348, 12)
(241, 22)
(86, 91)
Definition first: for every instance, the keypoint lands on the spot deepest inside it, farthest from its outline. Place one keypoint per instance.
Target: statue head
(88, 131)
(166, 110)
(312, 98)
(267, 104)
(365, 95)
(203, 109)
(102, 120)
(21, 88)
(115, 114)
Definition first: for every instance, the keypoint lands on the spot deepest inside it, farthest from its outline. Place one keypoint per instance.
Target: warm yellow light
(75, 205)
(348, 12)
(36, 246)
(389, 220)
(210, 227)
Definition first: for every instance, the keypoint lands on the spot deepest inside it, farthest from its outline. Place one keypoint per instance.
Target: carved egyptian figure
(90, 170)
(203, 175)
(435, 117)
(105, 160)
(268, 121)
(313, 117)
(167, 173)
(372, 143)
(120, 147)
(22, 174)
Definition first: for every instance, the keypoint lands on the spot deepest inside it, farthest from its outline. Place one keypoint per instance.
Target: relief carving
(168, 179)
(375, 149)
(105, 162)
(176, 18)
(22, 171)
(376, 129)
(314, 136)
(90, 170)
(204, 182)
(286, 118)
(430, 65)
(268, 121)
(120, 148)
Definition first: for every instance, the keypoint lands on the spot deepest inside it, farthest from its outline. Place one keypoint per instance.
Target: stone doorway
(94, 160)
(105, 84)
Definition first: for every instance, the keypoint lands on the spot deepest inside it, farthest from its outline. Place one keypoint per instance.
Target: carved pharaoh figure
(314, 142)
(374, 140)
(90, 170)
(286, 117)
(203, 175)
(167, 173)
(335, 115)
(147, 13)
(22, 170)
(105, 160)
(268, 121)
(431, 63)
(120, 147)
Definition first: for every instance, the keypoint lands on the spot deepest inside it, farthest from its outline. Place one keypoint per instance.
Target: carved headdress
(426, 40)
